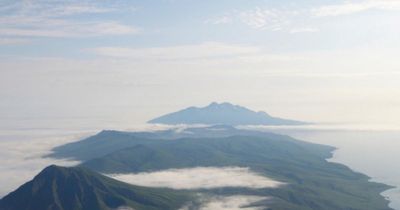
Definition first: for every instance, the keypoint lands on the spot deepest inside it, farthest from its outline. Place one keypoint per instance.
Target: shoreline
(370, 179)
(351, 143)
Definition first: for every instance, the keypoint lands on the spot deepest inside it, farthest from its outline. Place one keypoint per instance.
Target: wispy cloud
(58, 19)
(203, 50)
(70, 29)
(351, 7)
(53, 8)
(283, 19)
(304, 30)
(258, 18)
(265, 18)
(13, 41)
(200, 178)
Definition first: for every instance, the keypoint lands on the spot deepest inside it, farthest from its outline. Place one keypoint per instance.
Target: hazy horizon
(307, 60)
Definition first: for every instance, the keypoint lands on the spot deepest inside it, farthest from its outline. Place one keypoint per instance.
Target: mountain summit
(222, 113)
(76, 188)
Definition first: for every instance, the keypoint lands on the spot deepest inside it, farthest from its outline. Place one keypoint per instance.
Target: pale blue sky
(328, 61)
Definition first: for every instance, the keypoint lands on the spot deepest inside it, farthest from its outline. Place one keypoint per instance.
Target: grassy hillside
(109, 141)
(313, 183)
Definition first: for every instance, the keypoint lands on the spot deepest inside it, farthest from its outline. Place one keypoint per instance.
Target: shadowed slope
(59, 188)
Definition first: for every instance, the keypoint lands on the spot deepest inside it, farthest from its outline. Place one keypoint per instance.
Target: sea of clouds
(199, 178)
(24, 143)
(234, 202)
(207, 178)
(21, 155)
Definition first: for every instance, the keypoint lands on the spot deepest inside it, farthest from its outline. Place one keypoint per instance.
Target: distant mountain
(223, 113)
(76, 188)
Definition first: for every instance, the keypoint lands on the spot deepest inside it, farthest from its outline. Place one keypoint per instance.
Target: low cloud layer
(235, 202)
(232, 203)
(23, 143)
(199, 178)
(21, 155)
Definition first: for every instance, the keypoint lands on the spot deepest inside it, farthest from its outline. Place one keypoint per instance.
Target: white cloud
(236, 202)
(278, 19)
(52, 19)
(264, 18)
(71, 29)
(199, 178)
(54, 8)
(351, 7)
(258, 18)
(203, 50)
(79, 9)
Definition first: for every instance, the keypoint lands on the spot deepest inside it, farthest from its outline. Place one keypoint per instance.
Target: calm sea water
(372, 152)
(24, 142)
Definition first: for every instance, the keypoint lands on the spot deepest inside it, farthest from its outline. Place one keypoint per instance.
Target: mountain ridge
(222, 113)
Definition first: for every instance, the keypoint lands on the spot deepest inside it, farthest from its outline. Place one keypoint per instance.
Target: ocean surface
(371, 150)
